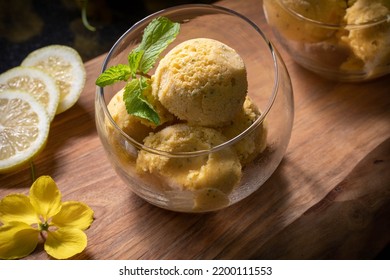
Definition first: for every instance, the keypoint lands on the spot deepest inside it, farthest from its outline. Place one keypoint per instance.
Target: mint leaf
(114, 74)
(134, 59)
(157, 36)
(135, 102)
(159, 33)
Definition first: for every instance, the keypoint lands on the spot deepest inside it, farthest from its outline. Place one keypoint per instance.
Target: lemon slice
(36, 82)
(65, 65)
(24, 128)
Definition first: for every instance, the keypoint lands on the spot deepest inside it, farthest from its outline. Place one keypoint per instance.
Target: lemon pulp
(65, 65)
(24, 128)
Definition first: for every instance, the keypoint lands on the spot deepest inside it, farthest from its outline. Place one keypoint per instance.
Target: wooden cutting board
(329, 198)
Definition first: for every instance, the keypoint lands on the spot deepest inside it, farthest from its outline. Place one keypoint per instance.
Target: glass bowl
(339, 43)
(219, 181)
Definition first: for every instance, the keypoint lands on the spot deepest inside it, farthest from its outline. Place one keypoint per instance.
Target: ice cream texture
(136, 127)
(256, 141)
(201, 81)
(286, 17)
(219, 170)
(200, 92)
(130, 124)
(370, 46)
(351, 47)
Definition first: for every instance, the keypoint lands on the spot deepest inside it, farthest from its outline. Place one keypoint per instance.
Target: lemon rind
(51, 87)
(78, 74)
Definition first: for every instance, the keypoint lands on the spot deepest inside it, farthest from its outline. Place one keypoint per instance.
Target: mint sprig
(159, 33)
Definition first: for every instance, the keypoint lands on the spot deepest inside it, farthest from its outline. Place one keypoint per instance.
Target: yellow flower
(25, 218)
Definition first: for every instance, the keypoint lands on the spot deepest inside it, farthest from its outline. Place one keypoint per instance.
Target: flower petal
(65, 242)
(17, 207)
(17, 240)
(45, 197)
(73, 214)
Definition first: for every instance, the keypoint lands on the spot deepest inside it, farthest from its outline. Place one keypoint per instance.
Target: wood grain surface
(328, 199)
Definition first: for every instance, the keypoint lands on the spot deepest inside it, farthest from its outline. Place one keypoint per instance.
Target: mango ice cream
(351, 36)
(201, 81)
(199, 90)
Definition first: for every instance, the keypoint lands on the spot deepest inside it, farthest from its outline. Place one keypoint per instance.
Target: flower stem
(144, 75)
(32, 168)
(84, 16)
(43, 235)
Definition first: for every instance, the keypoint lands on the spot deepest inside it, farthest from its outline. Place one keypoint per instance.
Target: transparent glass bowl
(350, 53)
(269, 87)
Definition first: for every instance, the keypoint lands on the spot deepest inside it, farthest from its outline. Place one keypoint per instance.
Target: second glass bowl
(317, 37)
(269, 88)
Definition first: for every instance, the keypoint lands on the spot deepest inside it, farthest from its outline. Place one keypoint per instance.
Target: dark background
(26, 25)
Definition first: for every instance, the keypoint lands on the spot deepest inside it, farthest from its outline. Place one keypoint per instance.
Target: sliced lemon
(36, 82)
(24, 128)
(65, 65)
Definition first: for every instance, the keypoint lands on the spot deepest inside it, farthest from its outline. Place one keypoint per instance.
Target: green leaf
(114, 74)
(157, 36)
(135, 102)
(134, 59)
(159, 33)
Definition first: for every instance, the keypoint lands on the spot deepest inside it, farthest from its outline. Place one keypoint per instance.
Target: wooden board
(329, 198)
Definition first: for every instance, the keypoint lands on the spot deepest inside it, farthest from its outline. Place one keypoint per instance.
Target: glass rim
(376, 21)
(228, 143)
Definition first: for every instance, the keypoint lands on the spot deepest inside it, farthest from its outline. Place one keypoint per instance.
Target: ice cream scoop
(136, 127)
(341, 40)
(219, 170)
(201, 81)
(290, 18)
(371, 45)
(255, 142)
(130, 124)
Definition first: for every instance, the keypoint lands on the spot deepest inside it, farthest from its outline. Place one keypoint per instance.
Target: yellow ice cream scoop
(219, 170)
(130, 124)
(290, 17)
(201, 81)
(255, 142)
(369, 44)
(134, 126)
